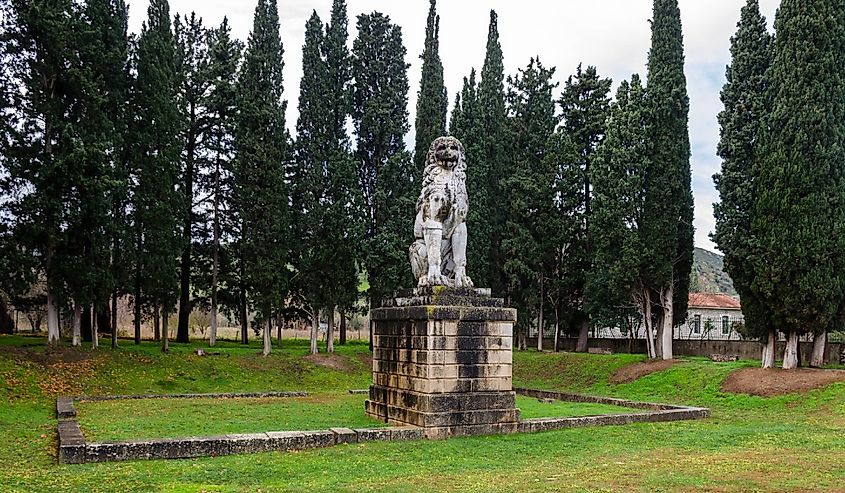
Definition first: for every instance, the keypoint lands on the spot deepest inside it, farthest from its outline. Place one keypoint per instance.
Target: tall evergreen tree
(157, 204)
(42, 144)
(670, 202)
(261, 195)
(219, 224)
(584, 105)
(385, 169)
(432, 99)
(799, 215)
(530, 198)
(623, 253)
(108, 56)
(745, 108)
(192, 65)
(485, 221)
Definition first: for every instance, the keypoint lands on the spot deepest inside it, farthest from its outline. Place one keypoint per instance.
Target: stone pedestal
(442, 360)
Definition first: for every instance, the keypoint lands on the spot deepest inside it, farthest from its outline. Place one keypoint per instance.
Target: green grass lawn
(174, 418)
(792, 443)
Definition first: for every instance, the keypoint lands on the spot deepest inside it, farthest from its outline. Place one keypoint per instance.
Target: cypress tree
(344, 202)
(530, 198)
(488, 222)
(109, 58)
(745, 108)
(670, 202)
(192, 65)
(584, 106)
(219, 230)
(432, 100)
(385, 169)
(41, 146)
(799, 215)
(619, 281)
(157, 203)
(261, 195)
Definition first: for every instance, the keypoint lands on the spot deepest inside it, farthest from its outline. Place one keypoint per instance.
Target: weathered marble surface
(438, 254)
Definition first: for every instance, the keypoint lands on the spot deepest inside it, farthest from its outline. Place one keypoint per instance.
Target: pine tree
(799, 214)
(385, 170)
(432, 99)
(584, 105)
(623, 255)
(192, 65)
(261, 195)
(670, 202)
(157, 204)
(487, 223)
(43, 79)
(529, 203)
(745, 108)
(216, 177)
(109, 58)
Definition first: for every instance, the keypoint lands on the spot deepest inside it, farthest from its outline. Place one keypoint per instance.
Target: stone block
(65, 408)
(344, 435)
(248, 443)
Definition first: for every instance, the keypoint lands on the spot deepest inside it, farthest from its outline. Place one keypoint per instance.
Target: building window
(726, 325)
(696, 324)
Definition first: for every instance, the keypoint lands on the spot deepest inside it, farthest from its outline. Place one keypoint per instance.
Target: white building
(712, 316)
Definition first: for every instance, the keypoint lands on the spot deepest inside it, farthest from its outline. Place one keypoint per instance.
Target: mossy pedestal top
(444, 303)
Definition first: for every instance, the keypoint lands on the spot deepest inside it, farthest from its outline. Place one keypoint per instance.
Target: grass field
(174, 418)
(792, 443)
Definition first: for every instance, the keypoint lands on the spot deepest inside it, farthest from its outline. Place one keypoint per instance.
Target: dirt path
(772, 382)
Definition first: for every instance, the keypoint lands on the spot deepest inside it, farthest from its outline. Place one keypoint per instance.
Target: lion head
(444, 178)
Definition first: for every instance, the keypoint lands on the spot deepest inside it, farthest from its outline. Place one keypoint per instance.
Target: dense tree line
(160, 168)
(781, 218)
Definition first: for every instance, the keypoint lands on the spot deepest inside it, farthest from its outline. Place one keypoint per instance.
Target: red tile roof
(713, 300)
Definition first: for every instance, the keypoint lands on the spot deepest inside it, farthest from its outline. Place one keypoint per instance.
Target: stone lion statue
(438, 256)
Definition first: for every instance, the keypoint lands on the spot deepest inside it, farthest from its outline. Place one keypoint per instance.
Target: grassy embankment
(787, 443)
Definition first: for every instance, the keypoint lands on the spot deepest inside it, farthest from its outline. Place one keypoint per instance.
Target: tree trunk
(95, 337)
(557, 330)
(540, 327)
(266, 338)
(137, 309)
(342, 334)
(657, 328)
(583, 334)
(643, 300)
(114, 320)
(52, 319)
(85, 327)
(215, 253)
(668, 322)
(370, 318)
(768, 358)
(819, 344)
(182, 334)
(330, 332)
(243, 317)
(790, 354)
(156, 326)
(76, 334)
(165, 333)
(315, 329)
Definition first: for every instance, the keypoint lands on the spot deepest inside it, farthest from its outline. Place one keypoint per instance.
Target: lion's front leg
(459, 254)
(433, 239)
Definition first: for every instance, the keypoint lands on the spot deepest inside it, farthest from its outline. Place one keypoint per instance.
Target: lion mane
(453, 189)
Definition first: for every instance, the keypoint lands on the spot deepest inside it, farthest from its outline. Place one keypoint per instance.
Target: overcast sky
(613, 35)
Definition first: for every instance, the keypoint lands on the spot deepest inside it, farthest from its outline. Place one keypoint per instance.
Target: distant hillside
(707, 274)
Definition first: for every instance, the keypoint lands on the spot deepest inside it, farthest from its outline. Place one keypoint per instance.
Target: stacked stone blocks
(442, 360)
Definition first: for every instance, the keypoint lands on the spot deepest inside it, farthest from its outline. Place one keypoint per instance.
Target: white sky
(613, 35)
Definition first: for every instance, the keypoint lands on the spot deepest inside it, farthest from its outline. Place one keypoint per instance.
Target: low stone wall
(74, 449)
(691, 347)
(652, 413)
